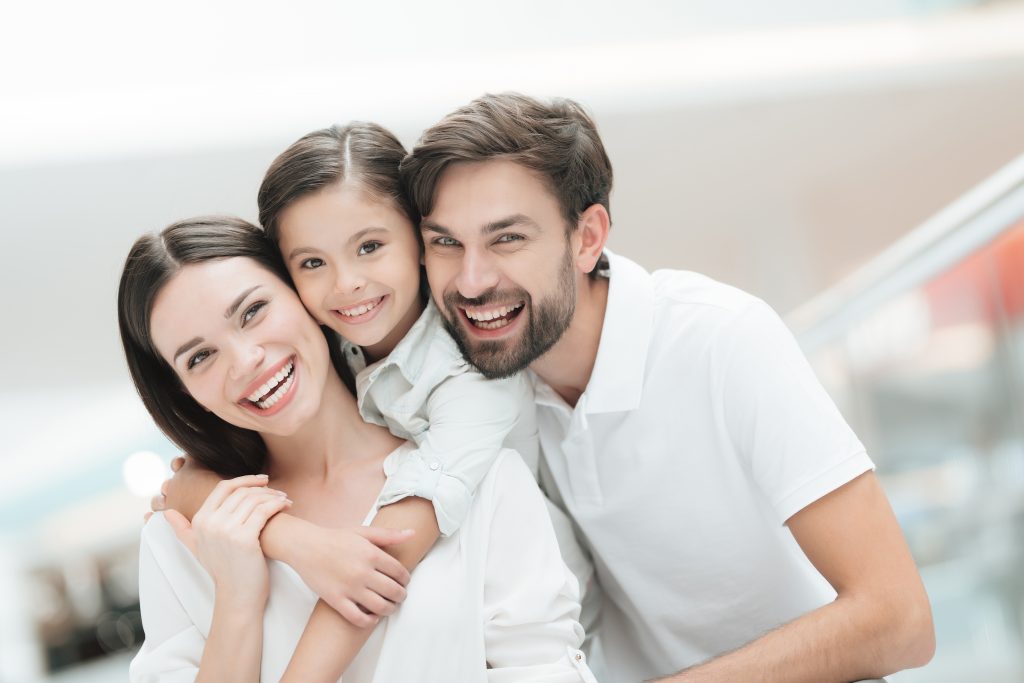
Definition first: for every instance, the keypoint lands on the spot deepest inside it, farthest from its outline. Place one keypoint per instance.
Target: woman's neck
(334, 437)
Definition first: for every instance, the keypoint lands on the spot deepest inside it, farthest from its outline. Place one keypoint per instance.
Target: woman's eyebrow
(238, 302)
(185, 347)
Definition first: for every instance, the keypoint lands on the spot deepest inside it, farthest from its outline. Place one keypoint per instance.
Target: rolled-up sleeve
(531, 599)
(469, 419)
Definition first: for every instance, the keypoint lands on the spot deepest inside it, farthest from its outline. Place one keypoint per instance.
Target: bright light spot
(143, 473)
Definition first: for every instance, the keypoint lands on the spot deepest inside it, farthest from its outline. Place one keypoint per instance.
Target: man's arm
(880, 622)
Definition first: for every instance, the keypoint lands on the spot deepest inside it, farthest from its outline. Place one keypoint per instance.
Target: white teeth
(484, 316)
(270, 384)
(358, 310)
(276, 396)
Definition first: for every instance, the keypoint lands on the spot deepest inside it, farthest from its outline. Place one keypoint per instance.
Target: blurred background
(855, 163)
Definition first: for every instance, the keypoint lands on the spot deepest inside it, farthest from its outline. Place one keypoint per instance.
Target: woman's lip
(281, 402)
(365, 317)
(264, 378)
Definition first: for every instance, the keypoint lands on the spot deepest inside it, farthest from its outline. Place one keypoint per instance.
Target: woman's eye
(197, 358)
(251, 312)
(369, 247)
(311, 263)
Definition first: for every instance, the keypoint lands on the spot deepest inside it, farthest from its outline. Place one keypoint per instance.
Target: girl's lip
(365, 317)
(281, 402)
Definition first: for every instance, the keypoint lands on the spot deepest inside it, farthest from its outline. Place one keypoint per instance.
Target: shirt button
(355, 351)
(579, 656)
(434, 465)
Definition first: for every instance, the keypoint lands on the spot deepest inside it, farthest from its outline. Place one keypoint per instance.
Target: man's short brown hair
(556, 140)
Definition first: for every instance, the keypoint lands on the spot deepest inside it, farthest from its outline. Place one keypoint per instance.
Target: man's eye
(197, 358)
(369, 247)
(311, 263)
(445, 242)
(509, 237)
(251, 312)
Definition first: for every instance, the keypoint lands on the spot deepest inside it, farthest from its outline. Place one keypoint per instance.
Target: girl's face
(356, 263)
(242, 344)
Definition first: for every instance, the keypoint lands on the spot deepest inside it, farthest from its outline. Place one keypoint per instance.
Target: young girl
(333, 204)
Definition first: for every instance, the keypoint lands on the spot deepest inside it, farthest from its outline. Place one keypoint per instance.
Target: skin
(223, 326)
(880, 622)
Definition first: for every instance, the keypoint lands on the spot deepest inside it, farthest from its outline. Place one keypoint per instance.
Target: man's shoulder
(690, 300)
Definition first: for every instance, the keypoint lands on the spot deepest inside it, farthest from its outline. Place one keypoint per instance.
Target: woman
(234, 370)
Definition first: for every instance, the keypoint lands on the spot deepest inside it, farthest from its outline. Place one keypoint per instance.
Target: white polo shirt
(702, 430)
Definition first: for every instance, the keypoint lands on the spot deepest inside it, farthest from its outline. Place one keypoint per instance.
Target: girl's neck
(383, 348)
(334, 437)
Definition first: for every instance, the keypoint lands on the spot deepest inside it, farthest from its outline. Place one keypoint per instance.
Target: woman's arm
(225, 540)
(330, 642)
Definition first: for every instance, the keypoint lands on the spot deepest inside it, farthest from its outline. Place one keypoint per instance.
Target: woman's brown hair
(153, 260)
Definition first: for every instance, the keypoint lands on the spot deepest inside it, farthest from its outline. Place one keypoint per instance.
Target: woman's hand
(224, 536)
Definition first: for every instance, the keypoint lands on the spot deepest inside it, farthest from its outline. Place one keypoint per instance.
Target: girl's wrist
(239, 601)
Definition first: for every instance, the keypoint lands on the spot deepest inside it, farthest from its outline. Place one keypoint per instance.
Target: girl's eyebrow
(366, 231)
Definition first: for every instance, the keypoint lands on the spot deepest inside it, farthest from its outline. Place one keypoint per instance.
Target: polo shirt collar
(617, 381)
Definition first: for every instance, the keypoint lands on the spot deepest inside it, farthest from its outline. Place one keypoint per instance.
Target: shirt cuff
(429, 480)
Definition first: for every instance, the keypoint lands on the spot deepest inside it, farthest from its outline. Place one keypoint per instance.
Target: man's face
(499, 264)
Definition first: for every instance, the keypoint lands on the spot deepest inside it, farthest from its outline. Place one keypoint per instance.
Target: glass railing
(923, 350)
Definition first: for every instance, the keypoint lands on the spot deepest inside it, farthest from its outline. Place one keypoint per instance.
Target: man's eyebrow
(238, 302)
(185, 347)
(434, 227)
(508, 222)
(493, 226)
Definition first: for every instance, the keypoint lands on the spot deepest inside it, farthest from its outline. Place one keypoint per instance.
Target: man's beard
(547, 321)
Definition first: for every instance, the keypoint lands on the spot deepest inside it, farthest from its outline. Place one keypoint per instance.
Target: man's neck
(567, 366)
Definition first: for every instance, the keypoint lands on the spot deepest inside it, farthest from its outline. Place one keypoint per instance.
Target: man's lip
(364, 317)
(264, 378)
(491, 334)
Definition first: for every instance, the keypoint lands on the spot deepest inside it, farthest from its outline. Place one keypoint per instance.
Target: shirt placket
(581, 460)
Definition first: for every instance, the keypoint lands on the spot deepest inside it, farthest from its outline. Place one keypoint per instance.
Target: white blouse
(493, 602)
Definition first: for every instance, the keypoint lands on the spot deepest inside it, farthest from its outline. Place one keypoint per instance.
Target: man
(736, 527)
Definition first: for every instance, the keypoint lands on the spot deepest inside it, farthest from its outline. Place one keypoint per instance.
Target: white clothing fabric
(701, 431)
(496, 594)
(425, 391)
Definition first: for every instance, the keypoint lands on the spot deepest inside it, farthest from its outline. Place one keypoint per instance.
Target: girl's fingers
(356, 616)
(375, 604)
(387, 588)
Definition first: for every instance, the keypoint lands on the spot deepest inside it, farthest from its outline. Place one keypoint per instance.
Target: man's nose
(477, 274)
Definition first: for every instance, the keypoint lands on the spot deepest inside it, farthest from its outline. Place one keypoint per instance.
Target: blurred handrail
(970, 222)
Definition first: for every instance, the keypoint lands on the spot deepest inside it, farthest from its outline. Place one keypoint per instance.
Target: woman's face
(356, 263)
(242, 344)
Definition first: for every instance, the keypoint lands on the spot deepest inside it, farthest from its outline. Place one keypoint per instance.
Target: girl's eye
(445, 241)
(197, 358)
(369, 247)
(251, 312)
(311, 263)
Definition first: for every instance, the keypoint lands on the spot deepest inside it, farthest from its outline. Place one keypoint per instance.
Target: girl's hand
(224, 536)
